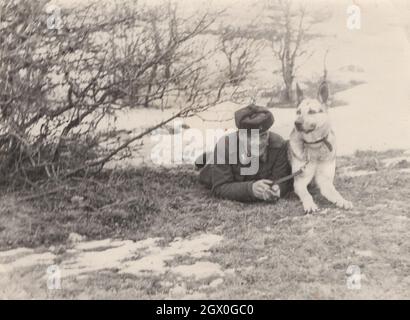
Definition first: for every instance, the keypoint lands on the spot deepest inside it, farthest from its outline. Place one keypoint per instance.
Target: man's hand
(264, 190)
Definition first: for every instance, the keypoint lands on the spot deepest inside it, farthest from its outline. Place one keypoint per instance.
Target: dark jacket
(226, 181)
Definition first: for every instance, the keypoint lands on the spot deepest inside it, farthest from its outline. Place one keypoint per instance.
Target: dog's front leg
(300, 185)
(324, 179)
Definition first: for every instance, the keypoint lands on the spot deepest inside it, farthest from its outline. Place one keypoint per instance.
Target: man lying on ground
(245, 163)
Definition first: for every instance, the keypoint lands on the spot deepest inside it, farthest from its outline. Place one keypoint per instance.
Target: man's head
(258, 145)
(312, 114)
(255, 119)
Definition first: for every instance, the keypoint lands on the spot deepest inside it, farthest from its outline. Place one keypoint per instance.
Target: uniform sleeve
(224, 186)
(282, 168)
(223, 181)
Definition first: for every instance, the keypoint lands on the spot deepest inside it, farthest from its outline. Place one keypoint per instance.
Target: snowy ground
(376, 117)
(375, 114)
(195, 246)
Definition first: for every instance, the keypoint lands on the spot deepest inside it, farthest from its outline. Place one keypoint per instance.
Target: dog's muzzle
(299, 126)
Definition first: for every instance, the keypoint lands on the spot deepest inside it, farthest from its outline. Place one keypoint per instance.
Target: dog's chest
(318, 152)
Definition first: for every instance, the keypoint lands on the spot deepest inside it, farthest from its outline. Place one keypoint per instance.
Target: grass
(277, 251)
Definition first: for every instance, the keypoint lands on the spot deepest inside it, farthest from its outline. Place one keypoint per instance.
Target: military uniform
(226, 180)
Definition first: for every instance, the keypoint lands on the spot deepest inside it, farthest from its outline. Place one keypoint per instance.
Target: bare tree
(57, 85)
(240, 49)
(289, 39)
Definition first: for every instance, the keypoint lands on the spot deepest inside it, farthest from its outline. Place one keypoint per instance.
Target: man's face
(262, 146)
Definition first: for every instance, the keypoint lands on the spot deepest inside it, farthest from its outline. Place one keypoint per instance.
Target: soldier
(228, 179)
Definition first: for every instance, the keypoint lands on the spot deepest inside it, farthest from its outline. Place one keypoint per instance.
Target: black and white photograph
(204, 150)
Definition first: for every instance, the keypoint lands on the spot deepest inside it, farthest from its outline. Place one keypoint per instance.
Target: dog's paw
(344, 204)
(310, 207)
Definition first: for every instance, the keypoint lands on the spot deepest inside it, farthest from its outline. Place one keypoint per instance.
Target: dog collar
(324, 140)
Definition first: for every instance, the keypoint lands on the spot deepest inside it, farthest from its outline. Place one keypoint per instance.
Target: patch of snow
(30, 260)
(377, 113)
(357, 173)
(230, 272)
(199, 270)
(94, 245)
(166, 284)
(75, 238)
(14, 252)
(155, 260)
(364, 253)
(126, 256)
(178, 291)
(263, 258)
(216, 283)
(390, 162)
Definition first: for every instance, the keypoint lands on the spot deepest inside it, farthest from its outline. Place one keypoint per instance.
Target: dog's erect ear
(299, 94)
(323, 92)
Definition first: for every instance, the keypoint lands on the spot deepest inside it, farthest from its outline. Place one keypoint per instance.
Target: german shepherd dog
(312, 146)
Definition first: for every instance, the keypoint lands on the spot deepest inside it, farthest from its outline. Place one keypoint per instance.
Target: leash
(291, 176)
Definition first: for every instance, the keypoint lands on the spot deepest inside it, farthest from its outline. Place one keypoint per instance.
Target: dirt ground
(161, 235)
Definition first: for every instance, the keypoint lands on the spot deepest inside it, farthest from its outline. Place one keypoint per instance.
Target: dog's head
(312, 114)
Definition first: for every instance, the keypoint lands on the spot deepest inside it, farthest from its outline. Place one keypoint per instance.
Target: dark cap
(254, 117)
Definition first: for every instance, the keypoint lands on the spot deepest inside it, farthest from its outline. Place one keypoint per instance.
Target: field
(155, 233)
(187, 244)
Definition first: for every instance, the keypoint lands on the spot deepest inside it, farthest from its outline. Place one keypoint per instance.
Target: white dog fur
(313, 145)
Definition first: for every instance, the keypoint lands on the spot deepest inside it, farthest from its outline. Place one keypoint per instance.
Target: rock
(75, 238)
